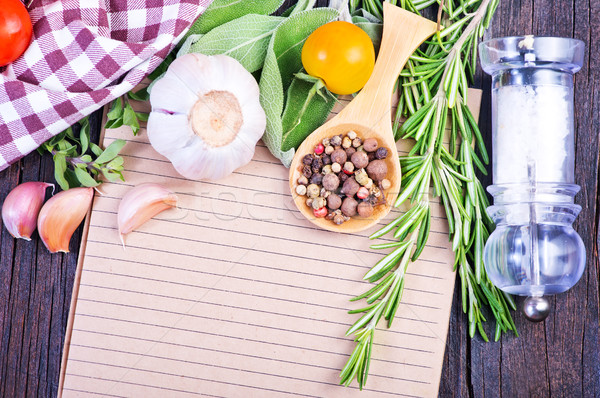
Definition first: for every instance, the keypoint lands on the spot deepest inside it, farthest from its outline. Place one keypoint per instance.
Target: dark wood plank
(560, 357)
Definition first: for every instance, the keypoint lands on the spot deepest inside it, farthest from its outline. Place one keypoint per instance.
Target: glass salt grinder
(534, 250)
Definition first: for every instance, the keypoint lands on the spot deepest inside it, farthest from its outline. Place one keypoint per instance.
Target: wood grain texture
(560, 357)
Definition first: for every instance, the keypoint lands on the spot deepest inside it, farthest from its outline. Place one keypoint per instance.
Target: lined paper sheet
(235, 294)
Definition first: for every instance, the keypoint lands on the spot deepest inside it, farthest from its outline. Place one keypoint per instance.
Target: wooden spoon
(369, 113)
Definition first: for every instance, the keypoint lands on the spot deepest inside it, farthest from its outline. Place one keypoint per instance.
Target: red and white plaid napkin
(84, 54)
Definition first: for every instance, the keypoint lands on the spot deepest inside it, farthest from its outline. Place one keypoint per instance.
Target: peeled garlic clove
(61, 215)
(206, 116)
(21, 207)
(142, 203)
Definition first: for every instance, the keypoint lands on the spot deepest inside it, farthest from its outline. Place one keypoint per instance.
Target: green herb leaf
(130, 119)
(304, 111)
(111, 151)
(60, 166)
(245, 39)
(222, 11)
(116, 109)
(84, 178)
(281, 62)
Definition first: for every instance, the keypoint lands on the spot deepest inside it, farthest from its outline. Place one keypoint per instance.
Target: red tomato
(15, 30)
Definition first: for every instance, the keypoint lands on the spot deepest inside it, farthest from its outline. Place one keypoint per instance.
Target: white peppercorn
(385, 183)
(329, 150)
(325, 141)
(356, 142)
(326, 169)
(301, 190)
(351, 134)
(348, 167)
(336, 167)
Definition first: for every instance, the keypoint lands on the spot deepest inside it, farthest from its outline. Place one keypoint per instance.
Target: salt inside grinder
(534, 250)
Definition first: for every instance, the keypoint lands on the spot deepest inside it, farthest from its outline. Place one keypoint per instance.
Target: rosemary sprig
(433, 91)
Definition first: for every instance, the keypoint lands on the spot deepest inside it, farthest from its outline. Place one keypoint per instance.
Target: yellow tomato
(341, 54)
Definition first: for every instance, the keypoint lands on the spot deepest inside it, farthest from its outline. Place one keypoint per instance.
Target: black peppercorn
(371, 156)
(381, 153)
(316, 178)
(306, 171)
(317, 164)
(343, 176)
(326, 159)
(307, 159)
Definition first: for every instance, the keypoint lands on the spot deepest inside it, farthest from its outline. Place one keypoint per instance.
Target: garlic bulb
(206, 117)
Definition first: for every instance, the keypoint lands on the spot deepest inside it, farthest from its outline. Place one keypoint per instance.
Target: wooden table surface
(559, 357)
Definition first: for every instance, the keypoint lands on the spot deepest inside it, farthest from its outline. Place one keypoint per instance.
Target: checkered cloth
(84, 54)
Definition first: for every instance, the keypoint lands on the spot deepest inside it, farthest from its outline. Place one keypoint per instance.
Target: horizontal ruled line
(227, 352)
(246, 324)
(235, 262)
(284, 270)
(234, 172)
(104, 394)
(185, 391)
(230, 368)
(241, 308)
(242, 293)
(223, 351)
(212, 227)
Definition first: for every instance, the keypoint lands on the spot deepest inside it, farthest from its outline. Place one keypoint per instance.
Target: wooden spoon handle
(403, 32)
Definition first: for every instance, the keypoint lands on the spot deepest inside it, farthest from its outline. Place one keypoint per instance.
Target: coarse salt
(532, 138)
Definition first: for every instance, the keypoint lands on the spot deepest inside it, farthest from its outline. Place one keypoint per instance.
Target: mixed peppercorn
(343, 177)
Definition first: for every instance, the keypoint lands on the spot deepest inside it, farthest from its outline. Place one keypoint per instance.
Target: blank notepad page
(234, 294)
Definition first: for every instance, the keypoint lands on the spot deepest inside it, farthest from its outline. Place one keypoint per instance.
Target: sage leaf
(84, 178)
(297, 123)
(374, 30)
(282, 61)
(223, 11)
(245, 39)
(111, 151)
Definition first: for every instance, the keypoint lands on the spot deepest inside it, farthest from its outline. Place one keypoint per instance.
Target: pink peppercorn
(319, 149)
(362, 193)
(320, 213)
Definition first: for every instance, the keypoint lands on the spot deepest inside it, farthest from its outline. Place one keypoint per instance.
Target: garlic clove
(180, 132)
(61, 215)
(21, 207)
(174, 96)
(140, 204)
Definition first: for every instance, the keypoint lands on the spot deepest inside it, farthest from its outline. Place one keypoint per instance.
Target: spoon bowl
(369, 113)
